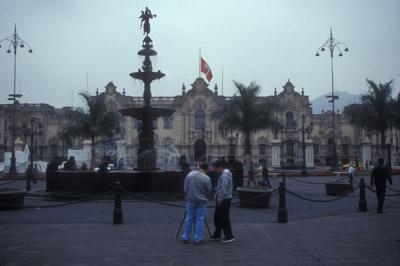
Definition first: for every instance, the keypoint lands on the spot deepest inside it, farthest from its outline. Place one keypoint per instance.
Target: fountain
(147, 155)
(146, 177)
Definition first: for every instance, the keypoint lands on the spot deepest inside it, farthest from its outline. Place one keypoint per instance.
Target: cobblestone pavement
(332, 233)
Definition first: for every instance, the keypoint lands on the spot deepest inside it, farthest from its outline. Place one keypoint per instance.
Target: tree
(246, 114)
(92, 121)
(376, 111)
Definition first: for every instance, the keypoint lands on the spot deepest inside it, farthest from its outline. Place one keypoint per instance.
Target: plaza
(332, 233)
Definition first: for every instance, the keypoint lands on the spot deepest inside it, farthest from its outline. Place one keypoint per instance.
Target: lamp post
(332, 44)
(14, 42)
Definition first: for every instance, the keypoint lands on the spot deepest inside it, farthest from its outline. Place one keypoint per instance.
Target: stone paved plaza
(332, 233)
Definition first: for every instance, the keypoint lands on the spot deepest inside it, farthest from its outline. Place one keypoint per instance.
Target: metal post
(14, 42)
(284, 178)
(118, 214)
(362, 204)
(282, 211)
(332, 44)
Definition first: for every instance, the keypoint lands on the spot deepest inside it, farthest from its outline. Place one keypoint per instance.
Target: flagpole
(199, 61)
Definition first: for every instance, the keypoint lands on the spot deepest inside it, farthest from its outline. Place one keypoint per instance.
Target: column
(309, 153)
(276, 153)
(366, 152)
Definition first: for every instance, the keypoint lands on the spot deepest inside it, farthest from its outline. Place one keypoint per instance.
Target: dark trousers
(380, 195)
(222, 220)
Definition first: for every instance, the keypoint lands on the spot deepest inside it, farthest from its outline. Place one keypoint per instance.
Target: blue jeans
(197, 211)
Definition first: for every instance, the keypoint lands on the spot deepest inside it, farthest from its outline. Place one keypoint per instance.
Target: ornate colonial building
(194, 132)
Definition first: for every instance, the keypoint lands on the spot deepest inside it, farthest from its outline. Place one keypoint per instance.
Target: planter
(337, 188)
(11, 199)
(254, 197)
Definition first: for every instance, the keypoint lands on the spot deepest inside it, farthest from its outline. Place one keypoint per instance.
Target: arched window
(290, 123)
(167, 122)
(262, 149)
(199, 119)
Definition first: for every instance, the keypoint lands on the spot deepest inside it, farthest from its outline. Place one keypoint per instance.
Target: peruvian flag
(205, 69)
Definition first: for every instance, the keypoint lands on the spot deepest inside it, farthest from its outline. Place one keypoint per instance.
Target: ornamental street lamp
(332, 44)
(14, 42)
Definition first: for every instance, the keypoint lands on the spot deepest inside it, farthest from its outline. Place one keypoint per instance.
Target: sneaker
(197, 242)
(228, 240)
(215, 238)
(185, 241)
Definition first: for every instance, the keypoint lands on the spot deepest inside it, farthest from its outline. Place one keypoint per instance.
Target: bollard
(362, 204)
(117, 217)
(282, 211)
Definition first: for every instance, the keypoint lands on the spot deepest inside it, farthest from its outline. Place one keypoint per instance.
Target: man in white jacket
(223, 196)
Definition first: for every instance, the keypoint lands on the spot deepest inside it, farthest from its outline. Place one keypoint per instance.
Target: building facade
(194, 132)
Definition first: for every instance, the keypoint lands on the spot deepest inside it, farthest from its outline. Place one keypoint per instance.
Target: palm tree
(247, 115)
(92, 121)
(376, 111)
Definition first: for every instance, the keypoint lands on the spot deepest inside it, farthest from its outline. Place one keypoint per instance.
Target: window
(199, 119)
(262, 149)
(316, 149)
(167, 122)
(53, 150)
(345, 149)
(290, 123)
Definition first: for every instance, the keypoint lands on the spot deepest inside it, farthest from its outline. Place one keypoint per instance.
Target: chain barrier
(322, 201)
(9, 182)
(306, 182)
(393, 189)
(152, 200)
(184, 206)
(60, 204)
(388, 195)
(254, 198)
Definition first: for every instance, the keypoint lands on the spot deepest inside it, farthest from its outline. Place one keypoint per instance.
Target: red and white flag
(205, 69)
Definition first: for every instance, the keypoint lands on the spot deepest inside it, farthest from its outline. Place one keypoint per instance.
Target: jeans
(222, 221)
(197, 211)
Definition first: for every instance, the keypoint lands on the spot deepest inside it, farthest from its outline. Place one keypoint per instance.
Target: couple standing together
(197, 187)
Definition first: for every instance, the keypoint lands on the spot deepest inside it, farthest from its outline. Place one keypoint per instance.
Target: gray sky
(265, 41)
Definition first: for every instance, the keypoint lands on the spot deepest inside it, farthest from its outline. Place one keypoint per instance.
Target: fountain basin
(148, 76)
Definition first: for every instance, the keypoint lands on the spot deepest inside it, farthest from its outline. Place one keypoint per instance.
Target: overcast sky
(265, 41)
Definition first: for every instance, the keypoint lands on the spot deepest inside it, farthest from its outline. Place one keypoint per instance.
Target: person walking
(352, 172)
(380, 174)
(223, 196)
(197, 187)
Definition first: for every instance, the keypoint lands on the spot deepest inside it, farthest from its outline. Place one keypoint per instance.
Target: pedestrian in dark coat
(380, 174)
